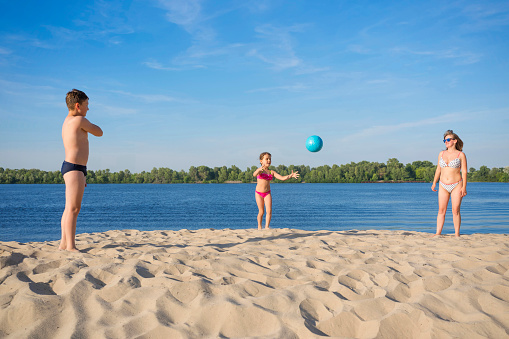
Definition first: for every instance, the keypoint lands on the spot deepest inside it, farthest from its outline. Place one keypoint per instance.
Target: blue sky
(181, 83)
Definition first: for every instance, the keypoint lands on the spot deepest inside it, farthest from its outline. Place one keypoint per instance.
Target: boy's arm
(89, 127)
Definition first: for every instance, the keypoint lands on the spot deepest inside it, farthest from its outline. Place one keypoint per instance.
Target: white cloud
(149, 98)
(156, 65)
(113, 110)
(461, 57)
(279, 61)
(291, 88)
(27, 39)
(487, 15)
(377, 81)
(183, 66)
(359, 49)
(276, 46)
(182, 12)
(5, 51)
(20, 88)
(188, 14)
(378, 130)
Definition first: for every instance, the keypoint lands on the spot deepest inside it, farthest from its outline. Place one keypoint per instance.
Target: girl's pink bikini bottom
(263, 194)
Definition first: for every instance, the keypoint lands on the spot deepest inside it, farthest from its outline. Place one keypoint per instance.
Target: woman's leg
(455, 206)
(268, 208)
(259, 203)
(443, 200)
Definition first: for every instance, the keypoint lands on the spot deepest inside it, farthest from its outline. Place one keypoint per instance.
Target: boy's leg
(259, 203)
(268, 208)
(74, 188)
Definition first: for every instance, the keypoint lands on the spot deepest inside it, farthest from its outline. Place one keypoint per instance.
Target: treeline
(364, 171)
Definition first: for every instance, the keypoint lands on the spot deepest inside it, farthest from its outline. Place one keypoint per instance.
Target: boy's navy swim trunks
(67, 167)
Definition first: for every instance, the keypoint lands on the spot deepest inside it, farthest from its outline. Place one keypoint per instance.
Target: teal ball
(314, 143)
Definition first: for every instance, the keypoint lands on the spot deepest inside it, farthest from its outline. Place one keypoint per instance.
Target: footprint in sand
(45, 267)
(372, 309)
(348, 325)
(185, 292)
(405, 325)
(436, 283)
(501, 292)
(314, 311)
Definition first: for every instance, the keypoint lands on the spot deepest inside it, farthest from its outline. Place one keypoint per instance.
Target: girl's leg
(268, 208)
(259, 203)
(443, 200)
(455, 206)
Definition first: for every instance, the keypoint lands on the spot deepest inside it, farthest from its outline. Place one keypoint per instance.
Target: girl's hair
(459, 142)
(263, 154)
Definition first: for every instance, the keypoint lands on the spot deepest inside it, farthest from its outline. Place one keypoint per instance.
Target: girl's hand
(463, 192)
(433, 187)
(294, 175)
(258, 171)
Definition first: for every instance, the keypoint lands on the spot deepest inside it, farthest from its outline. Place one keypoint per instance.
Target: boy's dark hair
(75, 96)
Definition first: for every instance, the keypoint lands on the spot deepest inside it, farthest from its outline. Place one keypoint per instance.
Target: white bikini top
(454, 163)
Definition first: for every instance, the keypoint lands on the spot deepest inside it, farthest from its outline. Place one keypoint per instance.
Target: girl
(452, 171)
(262, 193)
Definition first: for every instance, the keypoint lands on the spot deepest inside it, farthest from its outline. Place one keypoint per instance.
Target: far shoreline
(252, 182)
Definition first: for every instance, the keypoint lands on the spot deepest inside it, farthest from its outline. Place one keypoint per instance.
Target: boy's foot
(436, 235)
(61, 248)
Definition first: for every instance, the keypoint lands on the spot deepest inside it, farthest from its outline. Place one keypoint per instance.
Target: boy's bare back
(75, 135)
(75, 140)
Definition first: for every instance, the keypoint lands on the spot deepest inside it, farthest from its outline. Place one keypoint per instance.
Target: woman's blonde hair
(459, 142)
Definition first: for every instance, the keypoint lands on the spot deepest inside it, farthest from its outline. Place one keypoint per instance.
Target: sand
(280, 283)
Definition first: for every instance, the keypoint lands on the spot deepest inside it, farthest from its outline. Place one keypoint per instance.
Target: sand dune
(280, 283)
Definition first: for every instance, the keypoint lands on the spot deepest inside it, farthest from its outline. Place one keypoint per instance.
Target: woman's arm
(437, 174)
(464, 169)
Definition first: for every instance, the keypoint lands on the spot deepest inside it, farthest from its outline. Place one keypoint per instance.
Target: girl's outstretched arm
(286, 177)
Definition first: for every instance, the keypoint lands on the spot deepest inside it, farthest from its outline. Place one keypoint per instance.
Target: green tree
(409, 172)
(483, 173)
(204, 173)
(223, 174)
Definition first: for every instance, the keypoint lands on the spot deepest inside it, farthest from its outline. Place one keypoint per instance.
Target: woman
(452, 172)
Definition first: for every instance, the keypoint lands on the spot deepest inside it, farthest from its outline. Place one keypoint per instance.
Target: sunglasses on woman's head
(447, 140)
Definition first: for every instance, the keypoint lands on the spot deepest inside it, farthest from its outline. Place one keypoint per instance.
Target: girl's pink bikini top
(265, 176)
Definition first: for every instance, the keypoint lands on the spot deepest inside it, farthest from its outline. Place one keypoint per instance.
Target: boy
(74, 169)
